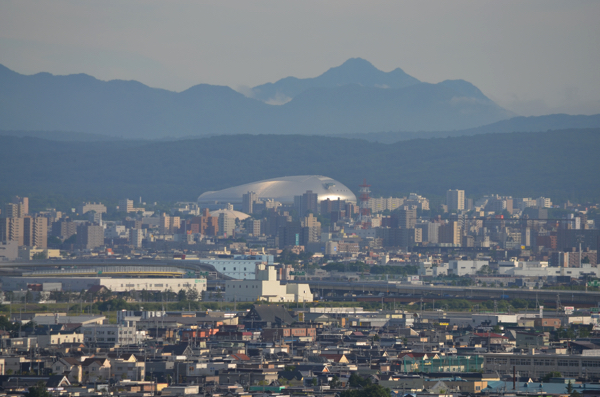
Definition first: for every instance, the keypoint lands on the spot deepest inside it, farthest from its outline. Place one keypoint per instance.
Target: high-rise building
(64, 228)
(35, 231)
(248, 201)
(90, 236)
(455, 200)
(308, 202)
(291, 235)
(311, 229)
(11, 229)
(449, 233)
(226, 224)
(23, 203)
(253, 226)
(135, 237)
(406, 217)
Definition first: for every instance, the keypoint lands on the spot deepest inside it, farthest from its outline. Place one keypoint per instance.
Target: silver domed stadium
(281, 189)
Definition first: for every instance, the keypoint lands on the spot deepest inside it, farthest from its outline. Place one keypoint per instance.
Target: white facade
(463, 268)
(45, 341)
(266, 287)
(111, 334)
(241, 267)
(113, 284)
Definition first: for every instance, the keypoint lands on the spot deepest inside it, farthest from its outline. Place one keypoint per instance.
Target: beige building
(381, 204)
(35, 231)
(266, 287)
(96, 207)
(126, 205)
(11, 229)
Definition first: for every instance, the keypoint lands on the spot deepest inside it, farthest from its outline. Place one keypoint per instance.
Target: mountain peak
(353, 71)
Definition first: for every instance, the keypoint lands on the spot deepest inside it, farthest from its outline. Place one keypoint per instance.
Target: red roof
(240, 357)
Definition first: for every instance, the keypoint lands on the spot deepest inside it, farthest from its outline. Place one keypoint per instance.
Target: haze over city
(267, 198)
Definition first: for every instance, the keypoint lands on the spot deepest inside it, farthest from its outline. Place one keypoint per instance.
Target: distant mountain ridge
(551, 122)
(517, 164)
(350, 102)
(353, 71)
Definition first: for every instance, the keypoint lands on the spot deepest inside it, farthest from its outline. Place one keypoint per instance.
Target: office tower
(455, 200)
(64, 228)
(406, 217)
(308, 202)
(126, 205)
(135, 237)
(248, 201)
(90, 236)
(449, 233)
(226, 224)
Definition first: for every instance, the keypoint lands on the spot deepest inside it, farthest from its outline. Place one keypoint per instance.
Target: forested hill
(557, 164)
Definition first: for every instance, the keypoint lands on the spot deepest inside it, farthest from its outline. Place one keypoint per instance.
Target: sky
(531, 57)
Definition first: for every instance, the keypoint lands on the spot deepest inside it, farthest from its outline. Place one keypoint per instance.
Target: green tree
(38, 390)
(335, 383)
(358, 381)
(181, 295)
(550, 375)
(192, 294)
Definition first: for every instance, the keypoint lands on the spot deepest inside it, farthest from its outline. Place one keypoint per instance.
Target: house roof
(272, 314)
(176, 350)
(91, 360)
(96, 288)
(71, 360)
(240, 357)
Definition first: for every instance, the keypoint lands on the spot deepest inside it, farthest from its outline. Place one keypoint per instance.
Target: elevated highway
(545, 297)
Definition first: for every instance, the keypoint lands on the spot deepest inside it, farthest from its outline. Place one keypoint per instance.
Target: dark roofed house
(182, 349)
(264, 316)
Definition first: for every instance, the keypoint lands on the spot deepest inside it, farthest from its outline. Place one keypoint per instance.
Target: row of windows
(234, 269)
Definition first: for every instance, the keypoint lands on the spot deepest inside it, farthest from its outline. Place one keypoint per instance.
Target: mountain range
(354, 97)
(557, 164)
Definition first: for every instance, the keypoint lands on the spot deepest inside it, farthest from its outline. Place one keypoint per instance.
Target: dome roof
(282, 189)
(231, 213)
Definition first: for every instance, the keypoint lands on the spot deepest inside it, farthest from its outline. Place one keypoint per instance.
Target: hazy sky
(532, 57)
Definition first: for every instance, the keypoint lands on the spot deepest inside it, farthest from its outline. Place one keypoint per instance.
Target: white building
(266, 287)
(112, 334)
(463, 268)
(240, 267)
(113, 284)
